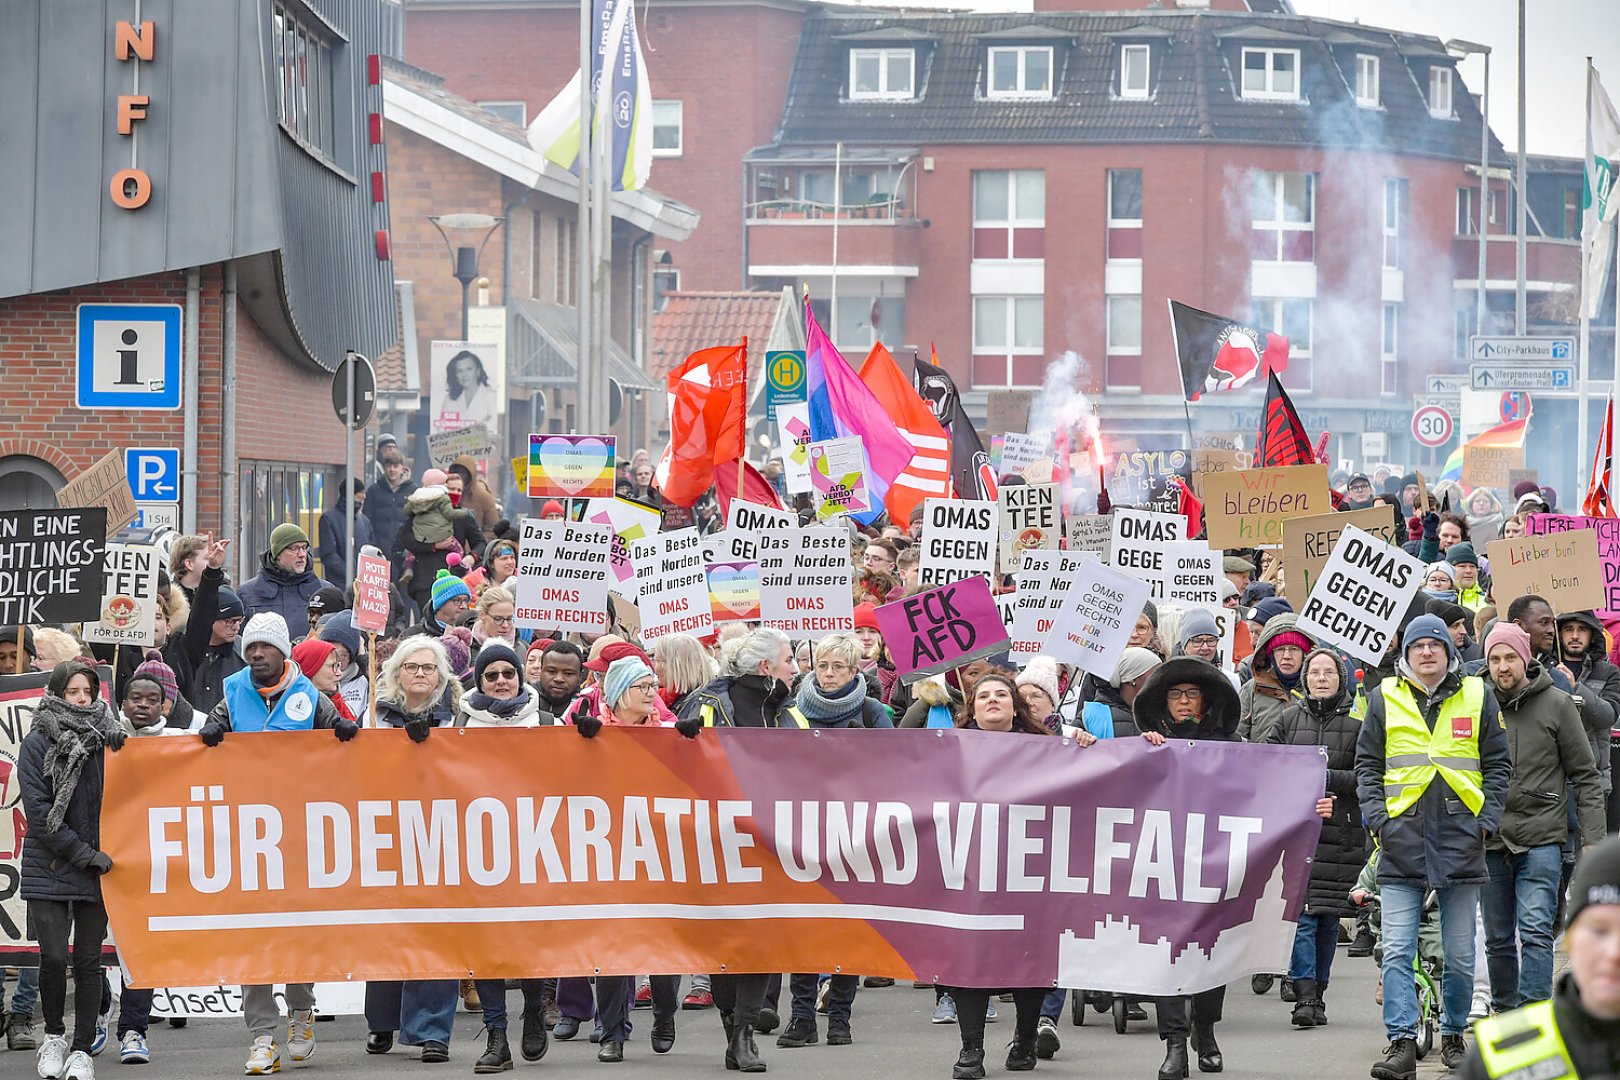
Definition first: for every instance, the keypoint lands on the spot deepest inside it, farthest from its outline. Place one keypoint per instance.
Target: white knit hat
(269, 628)
(1042, 671)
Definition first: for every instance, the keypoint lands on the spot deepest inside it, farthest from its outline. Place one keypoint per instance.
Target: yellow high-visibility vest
(1525, 1042)
(709, 712)
(1414, 755)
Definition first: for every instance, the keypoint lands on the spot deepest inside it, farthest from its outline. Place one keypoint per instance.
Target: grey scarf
(75, 732)
(843, 708)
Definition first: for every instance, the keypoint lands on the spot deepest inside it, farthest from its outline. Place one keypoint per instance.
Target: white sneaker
(1481, 1006)
(264, 1058)
(132, 1049)
(80, 1067)
(52, 1057)
(301, 1034)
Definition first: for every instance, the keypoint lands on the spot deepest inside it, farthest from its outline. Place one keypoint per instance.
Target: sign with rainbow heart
(734, 590)
(838, 477)
(571, 466)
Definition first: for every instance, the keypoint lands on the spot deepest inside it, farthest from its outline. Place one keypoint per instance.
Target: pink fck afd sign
(942, 628)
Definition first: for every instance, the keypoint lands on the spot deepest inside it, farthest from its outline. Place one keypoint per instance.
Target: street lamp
(465, 235)
(1471, 48)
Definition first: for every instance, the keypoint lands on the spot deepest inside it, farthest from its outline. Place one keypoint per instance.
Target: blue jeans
(1520, 905)
(1314, 942)
(26, 996)
(1053, 1003)
(840, 998)
(1403, 909)
(421, 1010)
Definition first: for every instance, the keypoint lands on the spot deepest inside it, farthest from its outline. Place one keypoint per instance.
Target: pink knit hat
(1510, 634)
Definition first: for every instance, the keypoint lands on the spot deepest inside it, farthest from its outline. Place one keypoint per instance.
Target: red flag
(928, 474)
(756, 489)
(1599, 501)
(1191, 508)
(1282, 439)
(707, 420)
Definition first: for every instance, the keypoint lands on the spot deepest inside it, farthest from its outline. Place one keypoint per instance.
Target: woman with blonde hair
(834, 696)
(497, 617)
(683, 667)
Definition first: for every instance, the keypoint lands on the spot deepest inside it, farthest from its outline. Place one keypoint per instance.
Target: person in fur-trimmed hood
(1278, 662)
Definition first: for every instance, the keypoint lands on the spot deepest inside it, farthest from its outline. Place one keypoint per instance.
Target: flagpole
(1583, 425)
(744, 454)
(583, 369)
(1175, 344)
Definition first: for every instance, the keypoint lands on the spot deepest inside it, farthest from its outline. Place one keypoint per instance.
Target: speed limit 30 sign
(1432, 426)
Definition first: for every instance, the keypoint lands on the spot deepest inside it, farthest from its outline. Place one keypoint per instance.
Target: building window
(667, 131)
(1284, 217)
(1124, 343)
(565, 263)
(1124, 213)
(1572, 213)
(1009, 340)
(1271, 74)
(1292, 319)
(1366, 81)
(1467, 215)
(1020, 72)
(1440, 93)
(1395, 195)
(882, 74)
(1134, 61)
(303, 53)
(272, 492)
(1388, 383)
(666, 279)
(1009, 214)
(516, 112)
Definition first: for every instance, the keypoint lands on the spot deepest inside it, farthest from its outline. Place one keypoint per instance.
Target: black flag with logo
(1217, 353)
(972, 476)
(1282, 439)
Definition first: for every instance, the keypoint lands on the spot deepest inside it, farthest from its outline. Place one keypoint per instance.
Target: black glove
(418, 730)
(689, 727)
(113, 739)
(588, 726)
(100, 863)
(346, 730)
(1431, 525)
(1105, 505)
(213, 733)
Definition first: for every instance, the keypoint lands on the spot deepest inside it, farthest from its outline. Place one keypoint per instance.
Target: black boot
(1399, 1061)
(1288, 993)
(726, 1022)
(1318, 1009)
(536, 1040)
(663, 1034)
(1209, 1054)
(1020, 1054)
(1175, 1058)
(497, 1056)
(969, 1063)
(744, 1051)
(799, 1033)
(1305, 1003)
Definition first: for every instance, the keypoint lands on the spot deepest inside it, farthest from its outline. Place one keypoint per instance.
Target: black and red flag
(1217, 353)
(1599, 501)
(1282, 439)
(972, 476)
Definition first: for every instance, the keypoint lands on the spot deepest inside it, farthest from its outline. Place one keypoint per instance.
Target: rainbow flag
(1510, 434)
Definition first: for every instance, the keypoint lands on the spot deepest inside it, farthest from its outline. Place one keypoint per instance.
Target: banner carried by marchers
(986, 860)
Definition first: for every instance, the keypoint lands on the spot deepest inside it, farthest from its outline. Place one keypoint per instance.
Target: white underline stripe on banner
(265, 920)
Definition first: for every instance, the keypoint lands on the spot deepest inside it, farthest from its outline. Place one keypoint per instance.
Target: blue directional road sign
(154, 473)
(129, 356)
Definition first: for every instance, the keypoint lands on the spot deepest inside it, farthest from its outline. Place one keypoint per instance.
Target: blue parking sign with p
(154, 473)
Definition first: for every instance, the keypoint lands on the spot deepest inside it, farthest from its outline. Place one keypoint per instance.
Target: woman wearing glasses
(835, 694)
(497, 610)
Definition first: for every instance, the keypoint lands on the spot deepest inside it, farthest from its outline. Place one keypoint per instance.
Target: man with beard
(1580, 636)
(562, 673)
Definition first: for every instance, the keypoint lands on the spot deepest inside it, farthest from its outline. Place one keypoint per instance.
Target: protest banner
(838, 477)
(805, 579)
(516, 853)
(472, 441)
(1210, 460)
(1090, 532)
(1029, 518)
(1137, 545)
(1307, 541)
(1491, 466)
(371, 593)
(571, 466)
(1095, 622)
(1134, 474)
(1562, 568)
(1363, 594)
(733, 590)
(930, 632)
(225, 1002)
(129, 602)
(105, 485)
(672, 589)
(50, 565)
(1192, 573)
(1607, 531)
(563, 575)
(958, 540)
(1246, 509)
(1043, 584)
(631, 521)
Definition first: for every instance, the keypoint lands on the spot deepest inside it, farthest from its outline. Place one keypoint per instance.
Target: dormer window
(1021, 71)
(1134, 61)
(882, 74)
(1440, 93)
(1271, 74)
(1367, 81)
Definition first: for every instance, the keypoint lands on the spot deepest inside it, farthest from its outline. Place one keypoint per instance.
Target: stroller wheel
(1077, 1008)
(1120, 1014)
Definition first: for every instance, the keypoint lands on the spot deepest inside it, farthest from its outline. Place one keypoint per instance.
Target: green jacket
(1550, 752)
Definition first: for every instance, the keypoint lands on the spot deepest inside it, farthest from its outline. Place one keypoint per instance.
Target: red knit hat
(866, 615)
(552, 507)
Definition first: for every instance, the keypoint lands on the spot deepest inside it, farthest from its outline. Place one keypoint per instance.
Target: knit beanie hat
(551, 507)
(1512, 635)
(230, 605)
(459, 654)
(1426, 627)
(1461, 552)
(154, 666)
(434, 478)
(1596, 880)
(1152, 612)
(312, 655)
(1526, 487)
(339, 629)
(446, 587)
(327, 598)
(620, 674)
(491, 652)
(1444, 567)
(1270, 608)
(1042, 671)
(1134, 663)
(269, 628)
(284, 536)
(866, 615)
(9, 633)
(1196, 623)
(1228, 589)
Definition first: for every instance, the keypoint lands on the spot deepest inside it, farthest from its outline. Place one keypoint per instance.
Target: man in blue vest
(1432, 774)
(273, 694)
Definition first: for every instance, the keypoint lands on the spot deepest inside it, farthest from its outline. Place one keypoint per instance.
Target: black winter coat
(385, 509)
(200, 669)
(56, 865)
(282, 592)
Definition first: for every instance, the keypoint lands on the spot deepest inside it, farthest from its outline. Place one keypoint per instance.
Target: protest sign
(1562, 568)
(571, 466)
(958, 540)
(563, 575)
(1307, 541)
(1043, 583)
(472, 441)
(838, 477)
(805, 581)
(1192, 573)
(1029, 518)
(930, 632)
(1007, 410)
(1134, 474)
(1607, 531)
(520, 472)
(1205, 461)
(1246, 509)
(1518, 476)
(631, 521)
(1137, 545)
(105, 485)
(1095, 622)
(371, 593)
(1091, 532)
(672, 587)
(733, 590)
(745, 521)
(793, 443)
(1148, 870)
(50, 565)
(1363, 594)
(1491, 466)
(1017, 451)
(129, 600)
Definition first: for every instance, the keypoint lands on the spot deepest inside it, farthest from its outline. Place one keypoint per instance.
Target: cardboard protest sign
(838, 477)
(105, 485)
(371, 593)
(1095, 622)
(1137, 545)
(1561, 567)
(473, 441)
(129, 600)
(1247, 508)
(1205, 461)
(933, 631)
(1363, 593)
(733, 590)
(745, 521)
(1491, 466)
(1030, 519)
(50, 565)
(563, 576)
(672, 585)
(1007, 410)
(1607, 531)
(571, 466)
(1516, 477)
(1133, 475)
(631, 521)
(1016, 451)
(1307, 541)
(958, 540)
(1091, 532)
(793, 443)
(1192, 573)
(1043, 584)
(805, 581)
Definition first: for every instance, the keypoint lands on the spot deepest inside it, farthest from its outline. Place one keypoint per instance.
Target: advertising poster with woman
(468, 386)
